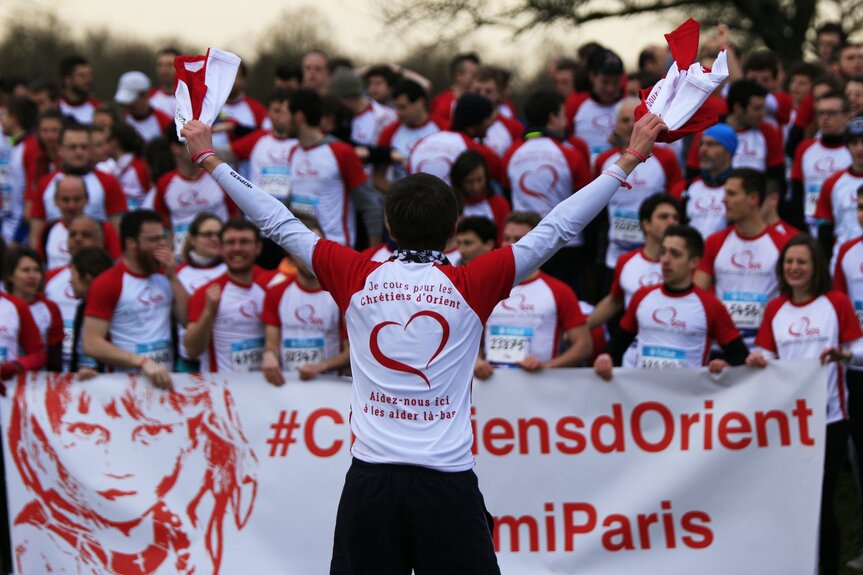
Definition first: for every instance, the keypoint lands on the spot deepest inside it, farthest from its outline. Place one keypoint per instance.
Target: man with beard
(127, 323)
(162, 95)
(76, 75)
(106, 198)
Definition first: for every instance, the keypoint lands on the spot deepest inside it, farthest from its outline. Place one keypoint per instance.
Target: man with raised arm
(411, 499)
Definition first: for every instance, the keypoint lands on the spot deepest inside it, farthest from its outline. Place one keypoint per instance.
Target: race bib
(300, 351)
(858, 309)
(626, 227)
(158, 352)
(68, 332)
(656, 357)
(181, 232)
(247, 355)
(303, 204)
(812, 191)
(508, 344)
(4, 354)
(134, 202)
(745, 308)
(276, 181)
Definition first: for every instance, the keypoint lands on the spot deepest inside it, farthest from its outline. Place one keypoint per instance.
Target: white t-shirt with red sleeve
(676, 329)
(180, 199)
(758, 148)
(848, 274)
(163, 101)
(322, 178)
(502, 134)
(134, 177)
(814, 162)
(837, 203)
(105, 196)
(591, 121)
(18, 331)
(658, 174)
(415, 330)
(192, 278)
(634, 270)
(705, 210)
(58, 288)
(56, 246)
(403, 138)
(246, 112)
(237, 337)
(49, 321)
(796, 331)
(151, 126)
(531, 321)
(309, 321)
(138, 309)
(436, 153)
(83, 112)
(367, 126)
(268, 156)
(744, 273)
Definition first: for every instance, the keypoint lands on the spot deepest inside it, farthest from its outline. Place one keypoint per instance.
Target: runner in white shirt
(675, 321)
(128, 315)
(162, 95)
(415, 327)
(471, 185)
(225, 329)
(21, 348)
(369, 117)
(819, 158)
(660, 173)
(126, 148)
(836, 210)
(739, 263)
(702, 199)
(132, 96)
(809, 320)
(590, 115)
(76, 75)
(527, 329)
(304, 327)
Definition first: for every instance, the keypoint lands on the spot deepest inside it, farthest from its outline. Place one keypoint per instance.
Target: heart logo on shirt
(825, 166)
(305, 314)
(667, 316)
(510, 304)
(802, 327)
(708, 204)
(439, 167)
(604, 122)
(745, 260)
(538, 182)
(249, 309)
(650, 279)
(191, 199)
(396, 365)
(148, 297)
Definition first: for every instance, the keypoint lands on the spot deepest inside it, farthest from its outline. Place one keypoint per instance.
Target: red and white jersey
(676, 329)
(322, 178)
(83, 112)
(436, 153)
(246, 112)
(49, 321)
(848, 274)
(502, 134)
(180, 199)
(151, 126)
(105, 196)
(403, 138)
(493, 207)
(837, 203)
(779, 107)
(705, 210)
(744, 273)
(442, 106)
(798, 331)
(759, 148)
(18, 331)
(813, 164)
(192, 279)
(309, 321)
(634, 270)
(531, 321)
(237, 336)
(658, 174)
(591, 121)
(55, 248)
(58, 288)
(138, 309)
(269, 165)
(134, 177)
(414, 331)
(163, 101)
(368, 125)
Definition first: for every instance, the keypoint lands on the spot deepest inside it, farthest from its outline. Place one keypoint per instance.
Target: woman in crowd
(469, 177)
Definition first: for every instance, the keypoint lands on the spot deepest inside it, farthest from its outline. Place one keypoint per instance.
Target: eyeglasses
(153, 239)
(208, 235)
(242, 243)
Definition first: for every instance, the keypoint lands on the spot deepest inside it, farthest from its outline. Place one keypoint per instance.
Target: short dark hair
(421, 211)
(195, 229)
(753, 181)
(491, 73)
(132, 222)
(278, 96)
(649, 205)
(13, 258)
(287, 72)
(821, 282)
(846, 105)
(484, 228)
(762, 60)
(742, 91)
(51, 115)
(172, 50)
(240, 225)
(411, 90)
(24, 110)
(91, 261)
(808, 69)
(540, 105)
(45, 85)
(382, 71)
(308, 102)
(69, 63)
(525, 217)
(73, 127)
(691, 237)
(831, 28)
(127, 138)
(458, 61)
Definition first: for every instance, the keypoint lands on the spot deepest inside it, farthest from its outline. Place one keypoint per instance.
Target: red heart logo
(517, 297)
(665, 316)
(396, 365)
(538, 182)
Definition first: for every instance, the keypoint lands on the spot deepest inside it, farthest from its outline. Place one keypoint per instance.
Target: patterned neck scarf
(420, 257)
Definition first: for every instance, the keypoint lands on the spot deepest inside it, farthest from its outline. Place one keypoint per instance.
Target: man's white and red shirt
(814, 162)
(591, 121)
(633, 271)
(502, 134)
(758, 148)
(368, 125)
(837, 203)
(676, 329)
(237, 337)
(246, 112)
(744, 273)
(803, 330)
(138, 309)
(19, 334)
(490, 206)
(192, 278)
(659, 174)
(310, 323)
(55, 248)
(49, 320)
(531, 321)
(83, 112)
(58, 288)
(403, 138)
(105, 196)
(436, 153)
(151, 126)
(133, 173)
(163, 101)
(269, 164)
(705, 210)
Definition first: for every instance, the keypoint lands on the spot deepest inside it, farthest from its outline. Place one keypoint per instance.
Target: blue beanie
(725, 135)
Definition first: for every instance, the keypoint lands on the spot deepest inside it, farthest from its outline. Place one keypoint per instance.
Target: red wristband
(638, 155)
(200, 155)
(142, 362)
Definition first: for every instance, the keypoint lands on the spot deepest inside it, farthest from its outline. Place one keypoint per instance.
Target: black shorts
(396, 518)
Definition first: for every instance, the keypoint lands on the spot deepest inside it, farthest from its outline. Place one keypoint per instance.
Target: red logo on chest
(396, 365)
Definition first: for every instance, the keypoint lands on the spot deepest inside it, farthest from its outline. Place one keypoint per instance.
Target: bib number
(304, 204)
(181, 232)
(508, 344)
(654, 357)
(812, 191)
(298, 352)
(745, 308)
(858, 309)
(158, 352)
(247, 355)
(276, 181)
(625, 227)
(68, 332)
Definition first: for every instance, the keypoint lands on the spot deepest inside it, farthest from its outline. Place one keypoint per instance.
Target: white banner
(655, 472)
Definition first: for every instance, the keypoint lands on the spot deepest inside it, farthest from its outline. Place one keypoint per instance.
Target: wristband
(142, 362)
(619, 178)
(201, 155)
(638, 155)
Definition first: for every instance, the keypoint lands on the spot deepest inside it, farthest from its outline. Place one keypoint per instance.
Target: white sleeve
(563, 223)
(272, 216)
(856, 348)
